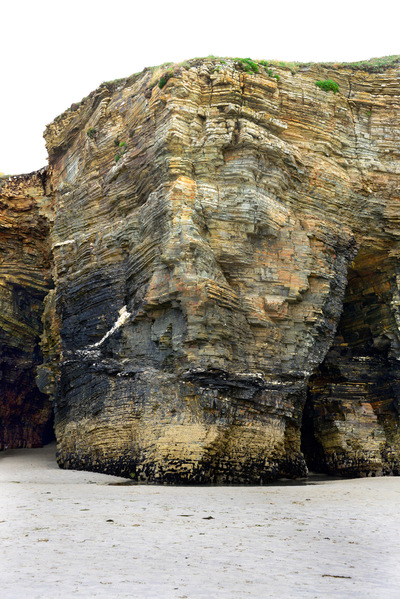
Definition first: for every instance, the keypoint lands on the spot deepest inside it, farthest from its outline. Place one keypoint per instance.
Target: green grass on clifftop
(373, 65)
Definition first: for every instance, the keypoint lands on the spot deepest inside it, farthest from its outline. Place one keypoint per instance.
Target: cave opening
(351, 413)
(49, 435)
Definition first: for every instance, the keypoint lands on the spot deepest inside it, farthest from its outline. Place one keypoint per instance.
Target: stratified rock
(204, 230)
(25, 264)
(351, 418)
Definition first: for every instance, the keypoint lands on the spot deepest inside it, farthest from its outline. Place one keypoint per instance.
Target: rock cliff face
(25, 269)
(226, 248)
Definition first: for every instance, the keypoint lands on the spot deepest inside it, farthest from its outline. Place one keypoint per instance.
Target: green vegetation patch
(248, 65)
(269, 71)
(328, 85)
(91, 132)
(253, 66)
(122, 148)
(165, 77)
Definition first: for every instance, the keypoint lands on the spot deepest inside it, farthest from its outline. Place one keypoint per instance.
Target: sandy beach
(68, 533)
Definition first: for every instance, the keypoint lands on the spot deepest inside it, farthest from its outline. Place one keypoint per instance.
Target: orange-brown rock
(226, 248)
(25, 263)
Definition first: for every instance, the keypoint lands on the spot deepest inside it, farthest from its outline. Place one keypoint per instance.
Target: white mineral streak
(67, 242)
(123, 317)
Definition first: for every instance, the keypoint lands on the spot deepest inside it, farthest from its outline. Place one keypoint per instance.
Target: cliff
(225, 246)
(25, 279)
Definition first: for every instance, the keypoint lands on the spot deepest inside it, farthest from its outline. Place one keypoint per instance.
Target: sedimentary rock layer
(351, 418)
(204, 231)
(25, 269)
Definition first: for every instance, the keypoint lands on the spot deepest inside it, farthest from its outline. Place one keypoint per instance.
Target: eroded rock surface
(202, 243)
(25, 279)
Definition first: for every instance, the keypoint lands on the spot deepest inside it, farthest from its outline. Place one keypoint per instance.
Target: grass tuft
(328, 85)
(165, 77)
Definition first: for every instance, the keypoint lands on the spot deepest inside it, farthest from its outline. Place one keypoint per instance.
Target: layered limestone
(205, 232)
(25, 279)
(226, 247)
(351, 417)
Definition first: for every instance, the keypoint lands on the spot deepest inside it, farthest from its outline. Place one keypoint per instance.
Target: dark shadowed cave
(352, 397)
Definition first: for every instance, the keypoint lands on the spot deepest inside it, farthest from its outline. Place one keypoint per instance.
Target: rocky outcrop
(25, 279)
(225, 244)
(226, 248)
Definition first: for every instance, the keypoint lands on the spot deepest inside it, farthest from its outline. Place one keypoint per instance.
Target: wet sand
(78, 534)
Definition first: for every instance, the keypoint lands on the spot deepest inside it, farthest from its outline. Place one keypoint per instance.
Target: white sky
(53, 53)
